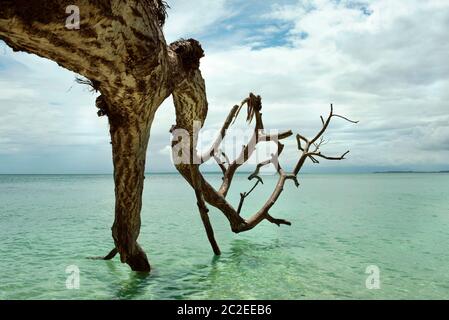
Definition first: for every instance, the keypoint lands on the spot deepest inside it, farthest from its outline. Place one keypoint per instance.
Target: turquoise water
(341, 225)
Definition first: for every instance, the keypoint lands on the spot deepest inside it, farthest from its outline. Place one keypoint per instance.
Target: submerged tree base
(121, 50)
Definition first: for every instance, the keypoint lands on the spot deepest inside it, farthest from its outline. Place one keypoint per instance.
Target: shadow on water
(199, 281)
(225, 272)
(132, 287)
(243, 254)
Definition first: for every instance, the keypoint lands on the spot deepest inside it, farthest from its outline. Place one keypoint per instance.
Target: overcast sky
(385, 63)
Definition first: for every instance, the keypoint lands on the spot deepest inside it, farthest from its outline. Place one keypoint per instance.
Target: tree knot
(102, 106)
(159, 7)
(189, 51)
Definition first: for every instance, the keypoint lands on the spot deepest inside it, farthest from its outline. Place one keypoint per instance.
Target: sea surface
(342, 227)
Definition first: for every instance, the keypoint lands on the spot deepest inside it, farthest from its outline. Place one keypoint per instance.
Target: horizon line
(239, 173)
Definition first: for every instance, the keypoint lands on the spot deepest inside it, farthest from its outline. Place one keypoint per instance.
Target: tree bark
(120, 48)
(129, 145)
(190, 101)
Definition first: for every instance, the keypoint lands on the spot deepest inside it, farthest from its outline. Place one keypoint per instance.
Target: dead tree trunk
(129, 144)
(120, 48)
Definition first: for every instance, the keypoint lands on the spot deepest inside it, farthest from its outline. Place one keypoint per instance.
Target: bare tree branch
(344, 118)
(220, 163)
(278, 221)
(122, 53)
(213, 149)
(246, 194)
(304, 145)
(319, 154)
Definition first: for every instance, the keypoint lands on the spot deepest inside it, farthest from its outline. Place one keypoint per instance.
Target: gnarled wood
(129, 145)
(217, 198)
(121, 50)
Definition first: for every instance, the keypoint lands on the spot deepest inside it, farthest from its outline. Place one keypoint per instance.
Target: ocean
(344, 226)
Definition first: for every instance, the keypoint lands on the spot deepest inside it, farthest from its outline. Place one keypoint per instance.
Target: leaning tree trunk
(121, 50)
(129, 144)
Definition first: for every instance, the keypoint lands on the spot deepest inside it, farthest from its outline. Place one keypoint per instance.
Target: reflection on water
(135, 286)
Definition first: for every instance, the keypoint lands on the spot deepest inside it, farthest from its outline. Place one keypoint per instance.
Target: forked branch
(309, 148)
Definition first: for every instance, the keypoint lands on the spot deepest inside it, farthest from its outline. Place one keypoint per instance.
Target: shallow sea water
(341, 225)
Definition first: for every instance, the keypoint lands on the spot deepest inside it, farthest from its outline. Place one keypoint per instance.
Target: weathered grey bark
(121, 50)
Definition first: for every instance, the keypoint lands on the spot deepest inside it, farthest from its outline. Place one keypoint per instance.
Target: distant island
(379, 172)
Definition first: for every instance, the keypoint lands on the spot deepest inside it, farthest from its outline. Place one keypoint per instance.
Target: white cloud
(387, 68)
(382, 62)
(187, 18)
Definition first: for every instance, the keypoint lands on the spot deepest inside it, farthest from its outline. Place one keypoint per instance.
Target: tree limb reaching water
(121, 51)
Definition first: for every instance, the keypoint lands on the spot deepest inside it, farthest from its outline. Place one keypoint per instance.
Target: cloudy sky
(382, 62)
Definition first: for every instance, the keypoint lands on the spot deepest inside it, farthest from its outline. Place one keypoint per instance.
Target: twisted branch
(310, 149)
